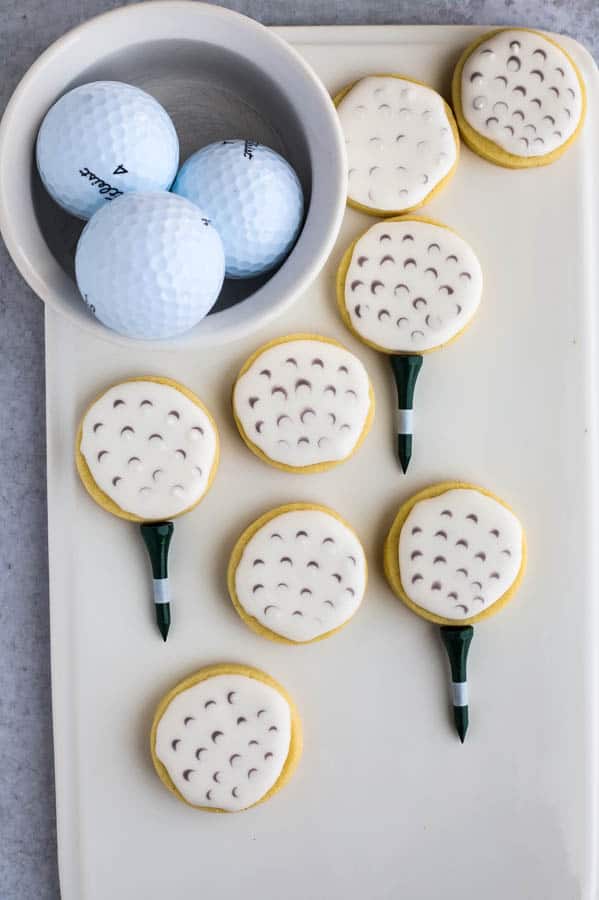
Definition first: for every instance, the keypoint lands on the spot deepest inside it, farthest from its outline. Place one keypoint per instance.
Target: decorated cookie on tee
(147, 451)
(226, 738)
(297, 574)
(402, 143)
(303, 403)
(455, 554)
(519, 98)
(407, 286)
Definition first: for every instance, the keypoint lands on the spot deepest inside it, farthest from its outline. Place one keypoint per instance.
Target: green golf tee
(456, 639)
(405, 372)
(157, 538)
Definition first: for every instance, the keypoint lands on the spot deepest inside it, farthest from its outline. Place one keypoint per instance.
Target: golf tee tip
(460, 717)
(163, 620)
(404, 451)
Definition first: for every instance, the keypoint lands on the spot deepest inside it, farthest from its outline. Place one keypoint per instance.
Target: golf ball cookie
(303, 403)
(455, 553)
(297, 574)
(147, 449)
(102, 140)
(226, 738)
(402, 143)
(519, 98)
(150, 266)
(408, 285)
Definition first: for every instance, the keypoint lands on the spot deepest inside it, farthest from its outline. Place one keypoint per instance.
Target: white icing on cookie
(224, 741)
(149, 448)
(521, 92)
(302, 574)
(411, 286)
(304, 401)
(400, 143)
(459, 553)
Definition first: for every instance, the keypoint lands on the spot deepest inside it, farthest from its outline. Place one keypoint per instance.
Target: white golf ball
(102, 140)
(149, 265)
(253, 197)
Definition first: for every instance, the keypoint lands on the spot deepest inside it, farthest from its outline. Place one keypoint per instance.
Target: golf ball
(149, 265)
(253, 197)
(102, 140)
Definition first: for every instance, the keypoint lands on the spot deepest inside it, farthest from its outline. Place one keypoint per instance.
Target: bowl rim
(133, 25)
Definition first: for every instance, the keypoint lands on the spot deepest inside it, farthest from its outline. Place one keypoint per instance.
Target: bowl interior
(211, 93)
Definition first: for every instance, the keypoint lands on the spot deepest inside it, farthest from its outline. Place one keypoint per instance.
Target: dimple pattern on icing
(399, 140)
(301, 574)
(224, 741)
(521, 92)
(459, 553)
(411, 286)
(304, 402)
(149, 448)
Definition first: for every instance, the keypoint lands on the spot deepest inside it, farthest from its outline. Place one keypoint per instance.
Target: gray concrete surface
(28, 868)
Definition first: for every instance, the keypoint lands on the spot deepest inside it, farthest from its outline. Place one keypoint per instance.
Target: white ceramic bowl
(219, 75)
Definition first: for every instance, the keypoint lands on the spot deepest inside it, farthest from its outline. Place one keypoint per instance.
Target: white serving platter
(386, 802)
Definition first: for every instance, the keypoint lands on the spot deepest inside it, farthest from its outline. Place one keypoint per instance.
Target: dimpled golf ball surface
(102, 140)
(149, 265)
(253, 197)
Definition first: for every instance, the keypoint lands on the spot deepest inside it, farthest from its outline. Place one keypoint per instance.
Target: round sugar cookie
(402, 143)
(303, 403)
(519, 98)
(455, 553)
(297, 574)
(147, 449)
(408, 285)
(226, 738)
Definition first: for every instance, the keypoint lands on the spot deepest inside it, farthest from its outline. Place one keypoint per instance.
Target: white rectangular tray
(386, 802)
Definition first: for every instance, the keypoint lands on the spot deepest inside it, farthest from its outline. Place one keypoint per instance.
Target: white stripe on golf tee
(162, 591)
(459, 691)
(404, 419)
